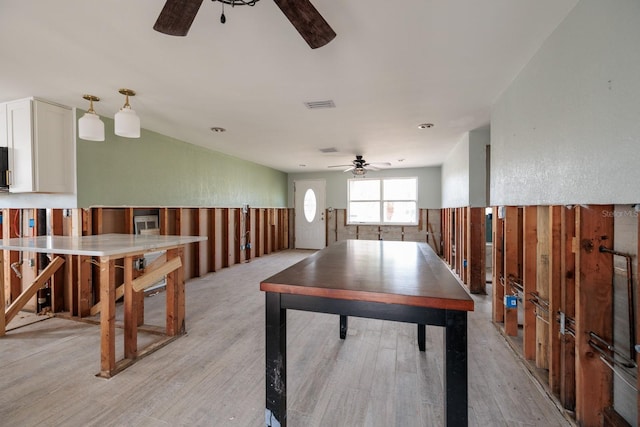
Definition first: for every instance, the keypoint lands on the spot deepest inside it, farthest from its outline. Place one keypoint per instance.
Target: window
(383, 201)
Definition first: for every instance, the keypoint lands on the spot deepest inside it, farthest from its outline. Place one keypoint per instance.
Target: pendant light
(127, 122)
(90, 127)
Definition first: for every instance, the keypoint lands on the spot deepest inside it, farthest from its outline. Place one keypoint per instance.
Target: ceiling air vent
(329, 150)
(320, 104)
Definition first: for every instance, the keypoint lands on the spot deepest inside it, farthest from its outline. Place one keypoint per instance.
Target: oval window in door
(310, 205)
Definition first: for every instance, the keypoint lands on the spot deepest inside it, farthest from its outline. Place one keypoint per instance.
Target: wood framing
(594, 296)
(567, 306)
(497, 269)
(476, 258)
(107, 318)
(542, 288)
(32, 289)
(530, 262)
(555, 273)
(511, 265)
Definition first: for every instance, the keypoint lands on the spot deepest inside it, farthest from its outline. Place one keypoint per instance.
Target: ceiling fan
(177, 16)
(359, 166)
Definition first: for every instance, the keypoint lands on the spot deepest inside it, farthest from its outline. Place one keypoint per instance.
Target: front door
(309, 199)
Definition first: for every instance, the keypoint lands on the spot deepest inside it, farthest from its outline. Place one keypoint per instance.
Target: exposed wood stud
(511, 264)
(497, 269)
(594, 296)
(542, 288)
(529, 280)
(567, 306)
(555, 254)
(476, 245)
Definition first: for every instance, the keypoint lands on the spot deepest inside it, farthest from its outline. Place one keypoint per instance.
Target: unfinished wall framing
(577, 292)
(464, 245)
(235, 235)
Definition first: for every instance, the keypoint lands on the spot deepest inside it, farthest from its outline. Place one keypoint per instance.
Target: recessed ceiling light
(218, 129)
(401, 160)
(425, 126)
(302, 166)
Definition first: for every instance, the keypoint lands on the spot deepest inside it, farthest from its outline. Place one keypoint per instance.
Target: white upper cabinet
(41, 148)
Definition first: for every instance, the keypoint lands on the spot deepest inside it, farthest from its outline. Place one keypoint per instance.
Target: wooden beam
(511, 267)
(107, 318)
(32, 289)
(568, 307)
(476, 244)
(130, 312)
(555, 256)
(529, 260)
(175, 296)
(152, 276)
(542, 288)
(594, 305)
(497, 269)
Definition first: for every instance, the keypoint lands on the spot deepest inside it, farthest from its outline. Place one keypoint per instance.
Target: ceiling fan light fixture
(90, 127)
(126, 121)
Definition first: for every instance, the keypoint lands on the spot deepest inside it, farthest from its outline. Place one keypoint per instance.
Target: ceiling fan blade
(381, 164)
(308, 21)
(339, 166)
(177, 16)
(350, 169)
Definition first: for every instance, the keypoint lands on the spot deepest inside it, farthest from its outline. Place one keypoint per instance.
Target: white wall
(567, 130)
(464, 171)
(428, 185)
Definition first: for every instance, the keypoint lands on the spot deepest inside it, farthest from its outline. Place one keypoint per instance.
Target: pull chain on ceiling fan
(177, 16)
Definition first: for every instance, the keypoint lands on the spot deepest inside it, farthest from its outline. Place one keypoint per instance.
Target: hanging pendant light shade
(127, 122)
(90, 127)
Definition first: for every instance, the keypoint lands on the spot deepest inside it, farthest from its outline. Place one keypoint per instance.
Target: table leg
(175, 297)
(276, 362)
(455, 366)
(107, 317)
(343, 327)
(130, 312)
(422, 337)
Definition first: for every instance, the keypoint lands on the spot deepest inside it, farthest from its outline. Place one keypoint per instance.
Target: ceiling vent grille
(329, 150)
(320, 104)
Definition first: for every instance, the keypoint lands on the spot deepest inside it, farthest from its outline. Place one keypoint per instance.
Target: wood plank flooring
(214, 376)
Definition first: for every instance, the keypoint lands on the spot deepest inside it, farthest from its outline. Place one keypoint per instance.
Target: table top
(98, 245)
(408, 273)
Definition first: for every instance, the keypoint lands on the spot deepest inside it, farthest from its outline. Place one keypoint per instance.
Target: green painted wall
(157, 170)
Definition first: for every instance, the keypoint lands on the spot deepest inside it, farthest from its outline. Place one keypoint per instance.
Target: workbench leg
(343, 327)
(130, 312)
(422, 337)
(175, 297)
(455, 367)
(107, 317)
(276, 362)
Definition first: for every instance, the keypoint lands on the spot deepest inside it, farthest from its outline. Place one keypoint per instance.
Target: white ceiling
(392, 66)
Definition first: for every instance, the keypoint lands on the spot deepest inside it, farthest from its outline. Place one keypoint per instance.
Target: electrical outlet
(242, 247)
(248, 245)
(32, 262)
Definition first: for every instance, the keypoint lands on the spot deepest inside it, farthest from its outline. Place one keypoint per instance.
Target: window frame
(381, 200)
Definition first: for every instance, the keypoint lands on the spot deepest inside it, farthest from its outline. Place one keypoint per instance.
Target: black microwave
(4, 168)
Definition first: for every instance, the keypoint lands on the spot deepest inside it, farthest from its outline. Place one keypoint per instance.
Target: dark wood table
(399, 281)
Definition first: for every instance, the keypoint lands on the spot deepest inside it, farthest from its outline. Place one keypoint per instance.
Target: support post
(476, 249)
(130, 312)
(107, 317)
(455, 368)
(542, 288)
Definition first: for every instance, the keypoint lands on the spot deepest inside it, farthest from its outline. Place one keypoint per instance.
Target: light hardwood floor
(214, 376)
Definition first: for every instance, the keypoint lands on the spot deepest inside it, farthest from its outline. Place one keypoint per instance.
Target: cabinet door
(20, 136)
(3, 125)
(53, 160)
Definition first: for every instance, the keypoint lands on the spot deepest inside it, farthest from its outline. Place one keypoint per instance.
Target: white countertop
(98, 245)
